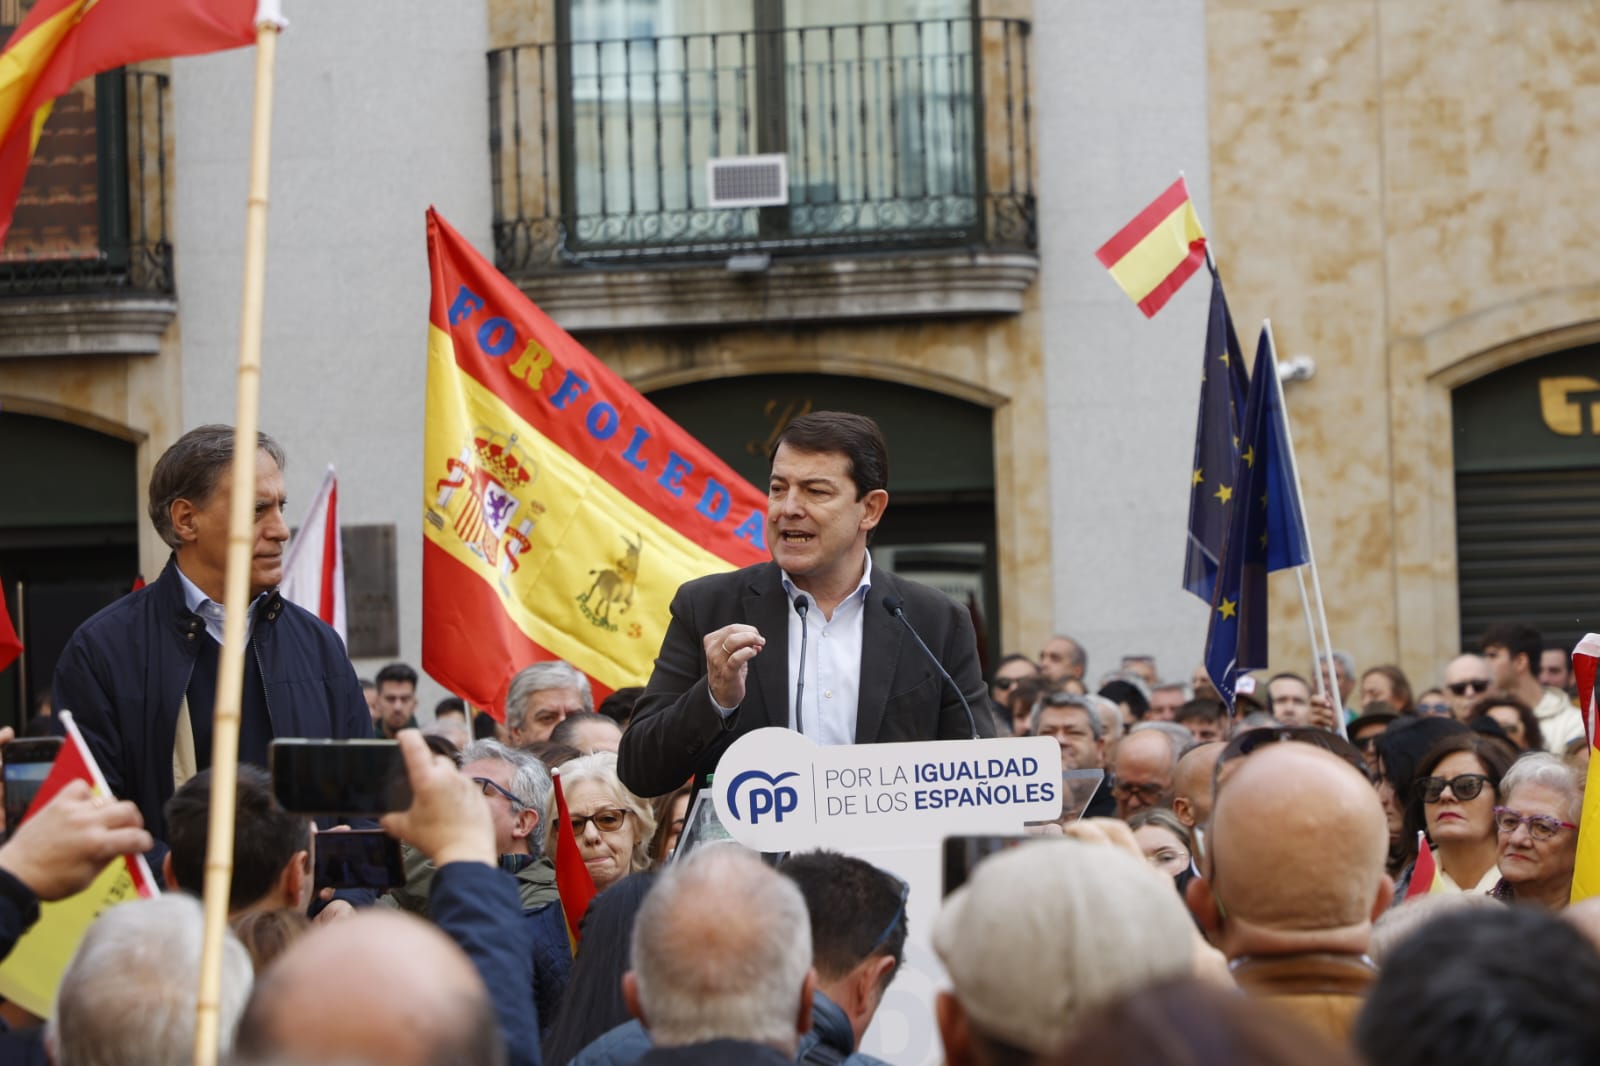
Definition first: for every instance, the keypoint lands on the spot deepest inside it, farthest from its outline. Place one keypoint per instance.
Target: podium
(891, 805)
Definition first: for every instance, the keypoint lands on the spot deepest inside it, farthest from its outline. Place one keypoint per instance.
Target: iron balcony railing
(896, 135)
(92, 216)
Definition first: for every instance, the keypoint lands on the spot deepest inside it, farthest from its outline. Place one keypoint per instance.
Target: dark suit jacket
(676, 732)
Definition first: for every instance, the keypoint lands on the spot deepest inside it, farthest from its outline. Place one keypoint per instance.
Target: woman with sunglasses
(1515, 719)
(1537, 821)
(1458, 783)
(613, 826)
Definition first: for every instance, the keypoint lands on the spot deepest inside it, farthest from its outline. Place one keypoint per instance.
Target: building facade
(1402, 188)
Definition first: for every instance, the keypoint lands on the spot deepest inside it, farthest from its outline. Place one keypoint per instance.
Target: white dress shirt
(833, 663)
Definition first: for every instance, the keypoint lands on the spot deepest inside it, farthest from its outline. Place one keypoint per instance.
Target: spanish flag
(560, 509)
(1425, 876)
(30, 975)
(574, 882)
(1152, 256)
(61, 42)
(1586, 870)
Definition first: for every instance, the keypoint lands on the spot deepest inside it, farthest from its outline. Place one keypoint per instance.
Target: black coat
(124, 673)
(677, 733)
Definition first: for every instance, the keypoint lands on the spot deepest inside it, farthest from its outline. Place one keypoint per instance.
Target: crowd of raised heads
(1380, 875)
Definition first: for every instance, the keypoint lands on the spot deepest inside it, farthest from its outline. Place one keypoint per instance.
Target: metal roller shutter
(1528, 550)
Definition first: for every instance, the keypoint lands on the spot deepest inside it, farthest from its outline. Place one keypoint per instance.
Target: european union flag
(1216, 447)
(1267, 531)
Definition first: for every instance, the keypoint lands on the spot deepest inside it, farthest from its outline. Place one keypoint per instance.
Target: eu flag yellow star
(1199, 475)
(1249, 457)
(1229, 608)
(1224, 494)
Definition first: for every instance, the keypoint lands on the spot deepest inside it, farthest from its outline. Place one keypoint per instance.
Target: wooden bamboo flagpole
(241, 544)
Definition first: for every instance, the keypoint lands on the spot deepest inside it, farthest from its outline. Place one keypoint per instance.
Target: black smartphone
(356, 858)
(27, 764)
(339, 777)
(962, 853)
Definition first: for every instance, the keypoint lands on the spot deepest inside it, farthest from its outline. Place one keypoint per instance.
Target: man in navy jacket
(141, 675)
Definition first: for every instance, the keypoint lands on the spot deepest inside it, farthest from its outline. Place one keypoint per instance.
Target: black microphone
(801, 606)
(893, 605)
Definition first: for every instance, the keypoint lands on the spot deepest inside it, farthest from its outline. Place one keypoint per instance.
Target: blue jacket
(476, 905)
(124, 673)
(831, 1040)
(523, 956)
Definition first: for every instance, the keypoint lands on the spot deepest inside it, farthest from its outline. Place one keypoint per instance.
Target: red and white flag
(30, 974)
(313, 571)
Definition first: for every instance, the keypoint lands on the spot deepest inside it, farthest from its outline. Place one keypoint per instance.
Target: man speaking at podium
(731, 659)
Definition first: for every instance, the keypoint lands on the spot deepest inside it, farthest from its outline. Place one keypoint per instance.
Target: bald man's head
(1295, 857)
(1191, 783)
(377, 987)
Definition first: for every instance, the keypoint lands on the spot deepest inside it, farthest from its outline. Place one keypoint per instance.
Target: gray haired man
(722, 963)
(541, 697)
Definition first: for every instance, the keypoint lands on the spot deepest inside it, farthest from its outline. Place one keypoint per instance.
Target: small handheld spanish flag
(574, 882)
(1152, 256)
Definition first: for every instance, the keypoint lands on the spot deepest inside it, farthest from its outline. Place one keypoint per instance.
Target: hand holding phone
(449, 821)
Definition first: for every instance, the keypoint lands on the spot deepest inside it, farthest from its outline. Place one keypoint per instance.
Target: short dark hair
(450, 705)
(1201, 710)
(1484, 985)
(1014, 657)
(567, 729)
(190, 469)
(265, 836)
(1126, 692)
(1518, 638)
(1289, 675)
(1495, 754)
(397, 672)
(1532, 735)
(483, 727)
(619, 705)
(857, 436)
(856, 911)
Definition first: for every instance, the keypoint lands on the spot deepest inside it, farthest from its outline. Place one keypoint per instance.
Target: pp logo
(774, 798)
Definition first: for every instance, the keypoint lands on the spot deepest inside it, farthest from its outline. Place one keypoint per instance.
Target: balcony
(906, 148)
(86, 267)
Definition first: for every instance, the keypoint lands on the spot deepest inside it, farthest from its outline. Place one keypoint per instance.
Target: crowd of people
(1330, 871)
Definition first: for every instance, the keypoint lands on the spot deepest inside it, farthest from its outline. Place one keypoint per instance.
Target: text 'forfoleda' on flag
(561, 509)
(1152, 256)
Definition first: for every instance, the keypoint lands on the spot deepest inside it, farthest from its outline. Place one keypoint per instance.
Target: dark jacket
(831, 1040)
(551, 953)
(715, 1053)
(476, 906)
(676, 731)
(19, 909)
(124, 673)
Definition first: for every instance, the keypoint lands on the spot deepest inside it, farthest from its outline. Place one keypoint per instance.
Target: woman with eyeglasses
(613, 826)
(1457, 784)
(1398, 751)
(1165, 841)
(1537, 821)
(1515, 719)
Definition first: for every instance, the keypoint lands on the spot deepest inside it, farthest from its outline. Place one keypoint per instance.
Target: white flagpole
(1311, 554)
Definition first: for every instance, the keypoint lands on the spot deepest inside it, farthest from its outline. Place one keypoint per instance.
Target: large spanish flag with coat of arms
(561, 509)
